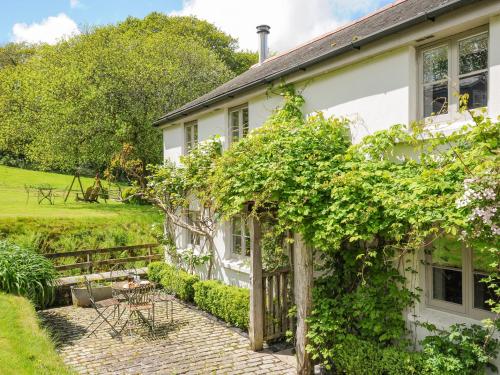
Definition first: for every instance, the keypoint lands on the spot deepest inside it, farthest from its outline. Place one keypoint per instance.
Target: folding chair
(161, 296)
(141, 299)
(115, 273)
(101, 307)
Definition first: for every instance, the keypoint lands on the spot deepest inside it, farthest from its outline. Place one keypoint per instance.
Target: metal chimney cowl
(263, 31)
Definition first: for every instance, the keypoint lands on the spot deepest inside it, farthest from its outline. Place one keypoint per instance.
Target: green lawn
(67, 226)
(25, 348)
(14, 203)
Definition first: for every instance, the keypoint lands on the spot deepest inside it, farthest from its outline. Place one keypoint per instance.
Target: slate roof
(395, 17)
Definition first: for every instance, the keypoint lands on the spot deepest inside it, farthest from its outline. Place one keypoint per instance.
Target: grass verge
(25, 348)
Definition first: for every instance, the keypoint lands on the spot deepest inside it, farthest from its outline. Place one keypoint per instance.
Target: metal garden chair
(141, 301)
(102, 308)
(161, 296)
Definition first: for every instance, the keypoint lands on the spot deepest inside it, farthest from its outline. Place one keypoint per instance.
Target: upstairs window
(238, 123)
(453, 68)
(240, 236)
(436, 81)
(190, 135)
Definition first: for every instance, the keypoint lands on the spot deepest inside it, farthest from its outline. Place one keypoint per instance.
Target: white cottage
(400, 64)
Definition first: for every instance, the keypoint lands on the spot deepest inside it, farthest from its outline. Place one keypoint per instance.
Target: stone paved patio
(194, 343)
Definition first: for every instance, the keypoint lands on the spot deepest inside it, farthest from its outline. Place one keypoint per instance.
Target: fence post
(149, 254)
(89, 259)
(256, 329)
(303, 280)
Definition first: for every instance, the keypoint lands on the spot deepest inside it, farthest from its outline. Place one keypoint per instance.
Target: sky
(292, 21)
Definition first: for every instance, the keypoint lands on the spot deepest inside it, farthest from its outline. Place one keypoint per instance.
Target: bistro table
(124, 290)
(44, 192)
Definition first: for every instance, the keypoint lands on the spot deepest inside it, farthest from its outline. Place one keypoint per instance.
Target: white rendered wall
(374, 94)
(173, 142)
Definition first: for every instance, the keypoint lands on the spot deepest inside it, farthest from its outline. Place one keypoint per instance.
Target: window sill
(238, 265)
(441, 319)
(449, 123)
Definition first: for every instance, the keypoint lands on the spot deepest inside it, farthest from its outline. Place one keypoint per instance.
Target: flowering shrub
(480, 196)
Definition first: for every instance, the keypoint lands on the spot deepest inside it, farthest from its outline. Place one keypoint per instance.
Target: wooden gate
(277, 293)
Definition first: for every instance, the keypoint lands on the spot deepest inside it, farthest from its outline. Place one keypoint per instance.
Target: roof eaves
(427, 16)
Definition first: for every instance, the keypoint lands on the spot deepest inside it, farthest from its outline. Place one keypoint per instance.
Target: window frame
(452, 43)
(241, 131)
(467, 308)
(244, 237)
(189, 235)
(192, 128)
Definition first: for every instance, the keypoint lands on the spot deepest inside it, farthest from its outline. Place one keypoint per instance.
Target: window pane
(195, 134)
(447, 271)
(435, 64)
(477, 88)
(236, 245)
(245, 121)
(483, 263)
(473, 54)
(246, 229)
(236, 234)
(482, 293)
(236, 226)
(447, 285)
(193, 218)
(188, 137)
(235, 126)
(435, 99)
(447, 253)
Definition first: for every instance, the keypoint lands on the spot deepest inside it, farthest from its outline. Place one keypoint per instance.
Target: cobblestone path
(193, 343)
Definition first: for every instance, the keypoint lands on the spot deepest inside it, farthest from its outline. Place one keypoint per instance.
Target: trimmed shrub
(173, 280)
(179, 282)
(26, 273)
(229, 303)
(155, 270)
(360, 357)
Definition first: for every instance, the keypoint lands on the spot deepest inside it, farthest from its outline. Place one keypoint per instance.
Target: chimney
(263, 31)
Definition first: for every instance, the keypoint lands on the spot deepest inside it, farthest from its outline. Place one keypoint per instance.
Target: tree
(13, 54)
(174, 188)
(77, 103)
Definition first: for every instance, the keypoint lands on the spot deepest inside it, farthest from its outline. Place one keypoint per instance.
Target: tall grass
(26, 273)
(54, 235)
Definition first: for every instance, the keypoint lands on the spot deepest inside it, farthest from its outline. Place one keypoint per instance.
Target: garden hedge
(360, 357)
(155, 270)
(173, 280)
(229, 303)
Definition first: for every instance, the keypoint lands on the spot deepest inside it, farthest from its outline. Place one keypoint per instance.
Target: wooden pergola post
(256, 329)
(303, 283)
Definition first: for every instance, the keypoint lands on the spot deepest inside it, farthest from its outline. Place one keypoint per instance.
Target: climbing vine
(368, 208)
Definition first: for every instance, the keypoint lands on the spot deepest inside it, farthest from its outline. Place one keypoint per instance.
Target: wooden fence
(278, 299)
(85, 258)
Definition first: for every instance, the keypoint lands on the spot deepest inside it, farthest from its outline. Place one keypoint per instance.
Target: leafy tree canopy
(78, 102)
